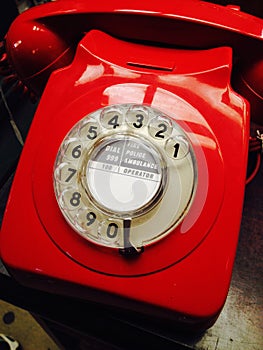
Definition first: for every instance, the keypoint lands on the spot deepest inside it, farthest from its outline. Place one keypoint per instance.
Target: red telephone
(130, 186)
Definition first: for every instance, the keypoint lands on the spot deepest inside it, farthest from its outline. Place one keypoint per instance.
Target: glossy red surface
(117, 85)
(194, 258)
(56, 28)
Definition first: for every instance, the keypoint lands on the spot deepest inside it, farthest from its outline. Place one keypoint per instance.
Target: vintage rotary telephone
(130, 186)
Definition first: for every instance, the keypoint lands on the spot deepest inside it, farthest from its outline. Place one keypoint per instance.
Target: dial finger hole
(89, 131)
(160, 128)
(137, 117)
(177, 147)
(66, 174)
(87, 222)
(70, 199)
(111, 232)
(73, 150)
(111, 118)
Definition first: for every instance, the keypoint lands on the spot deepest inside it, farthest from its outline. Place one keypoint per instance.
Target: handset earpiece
(34, 51)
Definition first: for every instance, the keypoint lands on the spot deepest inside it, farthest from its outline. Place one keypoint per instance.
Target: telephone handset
(56, 28)
(134, 167)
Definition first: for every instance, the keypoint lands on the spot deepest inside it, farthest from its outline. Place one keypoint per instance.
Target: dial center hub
(124, 174)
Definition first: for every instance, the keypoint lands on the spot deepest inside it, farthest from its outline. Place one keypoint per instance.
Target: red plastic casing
(186, 275)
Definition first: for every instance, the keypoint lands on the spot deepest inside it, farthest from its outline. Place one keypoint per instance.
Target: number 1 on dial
(176, 149)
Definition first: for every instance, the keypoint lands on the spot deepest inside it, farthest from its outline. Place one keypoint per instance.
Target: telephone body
(130, 186)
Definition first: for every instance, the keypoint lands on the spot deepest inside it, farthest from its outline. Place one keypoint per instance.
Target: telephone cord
(11, 119)
(255, 147)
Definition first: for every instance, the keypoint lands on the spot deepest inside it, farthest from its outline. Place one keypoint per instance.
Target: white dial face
(125, 176)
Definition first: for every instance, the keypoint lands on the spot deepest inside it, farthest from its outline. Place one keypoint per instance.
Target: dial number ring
(125, 162)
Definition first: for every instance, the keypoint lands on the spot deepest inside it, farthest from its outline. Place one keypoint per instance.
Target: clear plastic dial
(125, 176)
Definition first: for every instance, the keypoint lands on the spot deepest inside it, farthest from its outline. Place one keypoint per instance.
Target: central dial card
(124, 174)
